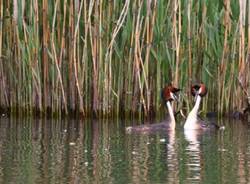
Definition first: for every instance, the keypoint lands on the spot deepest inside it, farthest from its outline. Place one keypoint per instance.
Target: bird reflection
(147, 152)
(193, 155)
(172, 159)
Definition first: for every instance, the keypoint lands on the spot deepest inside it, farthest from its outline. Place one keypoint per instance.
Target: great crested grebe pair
(193, 122)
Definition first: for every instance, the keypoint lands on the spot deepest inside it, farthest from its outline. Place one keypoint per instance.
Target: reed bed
(110, 58)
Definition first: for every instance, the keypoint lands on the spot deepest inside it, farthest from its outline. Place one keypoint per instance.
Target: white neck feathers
(171, 114)
(192, 120)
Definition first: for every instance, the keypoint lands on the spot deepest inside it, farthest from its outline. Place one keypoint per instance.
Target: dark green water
(46, 151)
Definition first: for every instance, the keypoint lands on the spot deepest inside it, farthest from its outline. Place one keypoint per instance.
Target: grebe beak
(177, 97)
(174, 96)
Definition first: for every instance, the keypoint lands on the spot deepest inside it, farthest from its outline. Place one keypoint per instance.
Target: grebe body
(169, 94)
(193, 121)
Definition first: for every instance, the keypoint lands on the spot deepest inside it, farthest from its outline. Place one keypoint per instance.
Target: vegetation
(113, 57)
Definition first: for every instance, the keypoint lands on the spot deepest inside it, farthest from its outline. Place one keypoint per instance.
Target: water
(46, 151)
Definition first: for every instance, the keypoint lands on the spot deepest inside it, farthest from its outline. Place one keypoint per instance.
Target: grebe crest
(169, 93)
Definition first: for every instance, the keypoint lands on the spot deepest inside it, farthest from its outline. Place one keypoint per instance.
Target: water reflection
(193, 156)
(172, 159)
(76, 151)
(36, 151)
(154, 157)
(238, 152)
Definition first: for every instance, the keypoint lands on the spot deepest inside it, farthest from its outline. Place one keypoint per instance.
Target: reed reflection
(49, 151)
(239, 132)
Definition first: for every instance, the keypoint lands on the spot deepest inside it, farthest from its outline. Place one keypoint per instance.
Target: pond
(88, 151)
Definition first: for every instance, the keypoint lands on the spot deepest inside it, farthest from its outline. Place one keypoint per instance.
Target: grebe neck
(171, 114)
(197, 105)
(192, 120)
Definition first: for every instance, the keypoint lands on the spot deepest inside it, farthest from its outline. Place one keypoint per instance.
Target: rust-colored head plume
(169, 93)
(199, 89)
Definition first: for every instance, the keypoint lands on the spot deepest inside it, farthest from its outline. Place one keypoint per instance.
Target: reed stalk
(45, 59)
(56, 61)
(75, 62)
(189, 37)
(3, 97)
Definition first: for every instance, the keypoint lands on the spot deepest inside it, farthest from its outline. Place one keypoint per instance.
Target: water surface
(87, 151)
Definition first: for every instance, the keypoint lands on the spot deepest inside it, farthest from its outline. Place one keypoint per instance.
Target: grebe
(193, 122)
(169, 94)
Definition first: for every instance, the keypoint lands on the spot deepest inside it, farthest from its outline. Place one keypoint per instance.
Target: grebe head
(170, 93)
(198, 89)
